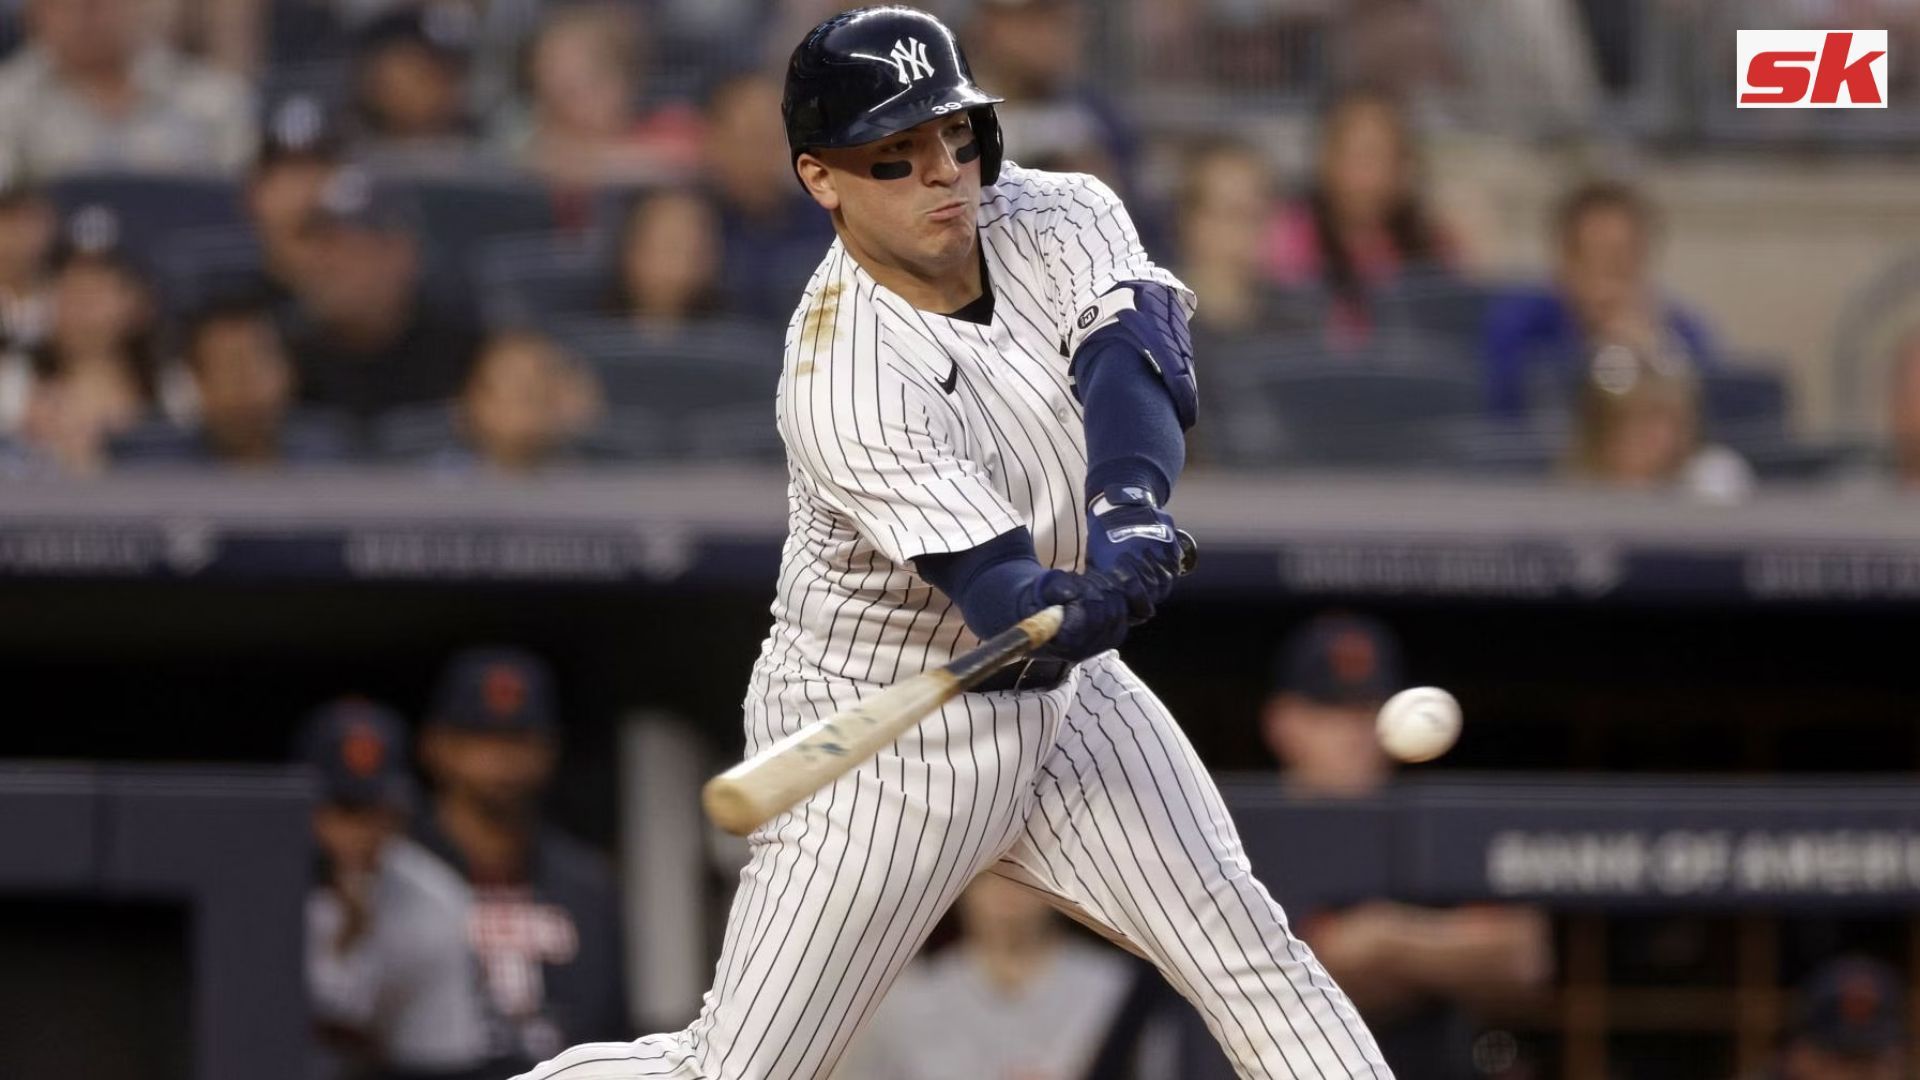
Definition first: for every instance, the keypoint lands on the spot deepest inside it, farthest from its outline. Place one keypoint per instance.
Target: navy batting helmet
(876, 71)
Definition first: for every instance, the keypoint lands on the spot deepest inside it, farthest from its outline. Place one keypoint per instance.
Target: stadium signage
(1699, 862)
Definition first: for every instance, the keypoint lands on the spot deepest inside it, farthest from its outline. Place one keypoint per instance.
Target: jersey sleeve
(881, 444)
(1090, 246)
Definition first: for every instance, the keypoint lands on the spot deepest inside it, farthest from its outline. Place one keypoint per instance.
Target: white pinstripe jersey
(910, 433)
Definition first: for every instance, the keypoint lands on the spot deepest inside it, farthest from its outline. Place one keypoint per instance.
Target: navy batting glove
(1131, 539)
(1095, 613)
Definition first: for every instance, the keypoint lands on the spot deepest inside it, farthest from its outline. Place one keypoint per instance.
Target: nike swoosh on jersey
(953, 377)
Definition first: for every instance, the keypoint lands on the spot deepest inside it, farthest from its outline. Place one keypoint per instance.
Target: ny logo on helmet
(909, 59)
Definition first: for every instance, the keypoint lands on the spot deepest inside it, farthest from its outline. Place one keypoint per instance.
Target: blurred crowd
(503, 235)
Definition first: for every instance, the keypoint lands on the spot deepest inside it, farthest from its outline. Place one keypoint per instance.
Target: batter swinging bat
(751, 793)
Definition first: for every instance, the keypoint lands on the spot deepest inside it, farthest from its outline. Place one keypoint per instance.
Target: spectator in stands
(524, 403)
(1017, 996)
(96, 89)
(410, 77)
(669, 260)
(1412, 971)
(1637, 425)
(546, 920)
(28, 224)
(367, 336)
(1214, 47)
(1605, 233)
(1032, 52)
(1401, 49)
(298, 154)
(1225, 202)
(586, 73)
(1904, 406)
(1363, 222)
(771, 234)
(244, 388)
(97, 373)
(392, 978)
(229, 34)
(1850, 1024)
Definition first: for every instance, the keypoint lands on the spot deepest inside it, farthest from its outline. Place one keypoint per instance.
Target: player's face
(994, 910)
(1326, 749)
(351, 836)
(906, 201)
(501, 772)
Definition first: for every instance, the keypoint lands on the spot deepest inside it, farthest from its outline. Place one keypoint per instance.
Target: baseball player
(983, 398)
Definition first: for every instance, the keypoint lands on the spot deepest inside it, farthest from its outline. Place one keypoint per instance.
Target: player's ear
(819, 181)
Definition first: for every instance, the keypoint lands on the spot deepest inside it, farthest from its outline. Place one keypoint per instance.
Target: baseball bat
(753, 792)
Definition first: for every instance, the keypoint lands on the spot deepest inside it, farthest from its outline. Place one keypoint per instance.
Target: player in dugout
(392, 979)
(1415, 972)
(1849, 1023)
(546, 917)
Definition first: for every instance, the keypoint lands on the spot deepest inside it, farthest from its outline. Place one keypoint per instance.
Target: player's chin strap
(1146, 319)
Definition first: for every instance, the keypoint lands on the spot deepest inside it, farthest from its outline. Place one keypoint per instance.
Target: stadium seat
(1491, 445)
(536, 279)
(631, 433)
(300, 32)
(1795, 460)
(1347, 415)
(699, 390)
(459, 218)
(415, 432)
(1747, 401)
(1388, 348)
(327, 82)
(309, 437)
(462, 215)
(1437, 304)
(699, 366)
(152, 209)
(745, 432)
(199, 265)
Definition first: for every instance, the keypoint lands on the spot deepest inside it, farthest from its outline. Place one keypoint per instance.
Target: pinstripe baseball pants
(1089, 792)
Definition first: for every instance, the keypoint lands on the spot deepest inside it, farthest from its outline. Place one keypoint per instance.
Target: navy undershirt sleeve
(1133, 430)
(991, 582)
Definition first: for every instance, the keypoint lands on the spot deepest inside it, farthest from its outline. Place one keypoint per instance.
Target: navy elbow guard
(1149, 319)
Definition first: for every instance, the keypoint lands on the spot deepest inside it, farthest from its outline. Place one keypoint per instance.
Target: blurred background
(390, 503)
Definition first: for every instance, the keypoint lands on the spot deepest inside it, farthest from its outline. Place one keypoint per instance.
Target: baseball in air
(1419, 724)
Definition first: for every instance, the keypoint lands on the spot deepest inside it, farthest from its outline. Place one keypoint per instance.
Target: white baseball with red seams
(1419, 724)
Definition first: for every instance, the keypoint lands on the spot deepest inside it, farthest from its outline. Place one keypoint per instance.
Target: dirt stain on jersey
(820, 319)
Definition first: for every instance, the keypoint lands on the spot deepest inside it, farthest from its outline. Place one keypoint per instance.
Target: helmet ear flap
(986, 128)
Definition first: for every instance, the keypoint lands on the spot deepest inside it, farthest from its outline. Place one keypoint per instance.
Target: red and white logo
(1812, 69)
